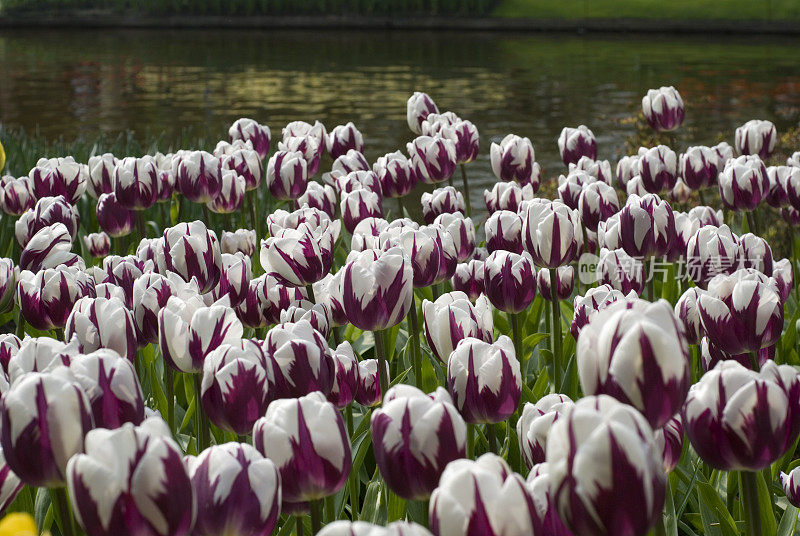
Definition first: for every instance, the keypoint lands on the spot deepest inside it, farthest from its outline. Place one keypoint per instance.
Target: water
(69, 83)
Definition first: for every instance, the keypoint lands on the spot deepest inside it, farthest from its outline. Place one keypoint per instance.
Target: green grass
(656, 9)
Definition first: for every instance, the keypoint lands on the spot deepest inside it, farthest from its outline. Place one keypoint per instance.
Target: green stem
(659, 529)
(298, 525)
(200, 415)
(651, 292)
(465, 182)
(140, 230)
(436, 291)
(330, 509)
(470, 441)
(701, 196)
(20, 325)
(752, 516)
(380, 350)
(169, 393)
(353, 476)
(59, 498)
(400, 207)
(491, 437)
(310, 292)
(450, 180)
(416, 358)
(207, 216)
(754, 361)
(556, 320)
(254, 211)
(516, 333)
(316, 517)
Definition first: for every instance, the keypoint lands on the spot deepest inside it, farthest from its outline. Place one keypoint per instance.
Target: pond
(71, 82)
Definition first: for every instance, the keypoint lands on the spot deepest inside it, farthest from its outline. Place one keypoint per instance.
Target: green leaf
(397, 507)
(370, 512)
(788, 521)
(768, 525)
(530, 342)
(670, 519)
(41, 513)
(715, 516)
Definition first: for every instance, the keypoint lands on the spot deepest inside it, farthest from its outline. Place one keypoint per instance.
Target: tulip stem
(380, 350)
(353, 476)
(556, 331)
(59, 498)
(298, 523)
(450, 180)
(659, 529)
(330, 509)
(20, 325)
(310, 293)
(466, 189)
(470, 441)
(517, 334)
(200, 415)
(701, 196)
(651, 283)
(169, 388)
(316, 517)
(491, 437)
(253, 211)
(754, 361)
(416, 358)
(140, 224)
(752, 516)
(400, 206)
(436, 291)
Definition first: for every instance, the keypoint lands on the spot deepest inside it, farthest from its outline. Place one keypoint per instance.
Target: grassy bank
(651, 9)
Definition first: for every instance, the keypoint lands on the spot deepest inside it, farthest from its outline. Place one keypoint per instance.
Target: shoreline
(335, 22)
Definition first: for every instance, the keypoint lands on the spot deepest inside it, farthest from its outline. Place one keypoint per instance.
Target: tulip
(10, 485)
(743, 183)
(59, 176)
(484, 379)
(356, 180)
(534, 426)
(239, 241)
(686, 226)
(598, 201)
(45, 416)
(711, 354)
(97, 244)
(46, 298)
(688, 313)
(448, 258)
(680, 193)
(574, 143)
(647, 226)
(101, 174)
(510, 280)
(756, 137)
(468, 279)
(287, 175)
(418, 107)
(113, 218)
(658, 168)
(358, 205)
(420, 248)
(504, 231)
(368, 392)
(699, 167)
(306, 440)
(299, 257)
(347, 380)
(316, 314)
(9, 276)
(246, 163)
(123, 271)
(595, 300)
(571, 186)
(741, 314)
(620, 271)
(136, 182)
(433, 158)
(249, 130)
(310, 148)
(48, 211)
(251, 311)
(784, 277)
(192, 251)
(152, 249)
(462, 230)
(754, 252)
(605, 472)
(236, 387)
(302, 358)
(507, 196)
(188, 331)
(635, 186)
(150, 293)
(790, 215)
(102, 323)
(395, 173)
(111, 386)
(779, 177)
(231, 194)
(669, 440)
(452, 318)
(599, 169)
(791, 486)
(445, 200)
(362, 528)
(564, 283)
(463, 133)
(352, 160)
(344, 138)
(322, 197)
(551, 233)
(663, 108)
(328, 292)
(707, 216)
(238, 491)
(414, 437)
(132, 480)
(16, 195)
(277, 298)
(545, 516)
(627, 168)
(9, 346)
(481, 497)
(41, 354)
(514, 160)
(636, 352)
(300, 129)
(198, 176)
(739, 419)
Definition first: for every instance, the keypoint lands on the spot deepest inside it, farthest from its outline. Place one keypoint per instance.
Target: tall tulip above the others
(418, 108)
(663, 108)
(414, 438)
(513, 159)
(756, 137)
(574, 143)
(101, 174)
(606, 474)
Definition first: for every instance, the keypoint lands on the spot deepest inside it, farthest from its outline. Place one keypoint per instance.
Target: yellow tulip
(18, 524)
(2, 157)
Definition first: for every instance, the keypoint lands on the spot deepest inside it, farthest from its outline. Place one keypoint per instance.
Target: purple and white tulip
(551, 233)
(598, 201)
(198, 176)
(359, 205)
(669, 440)
(231, 193)
(191, 250)
(287, 175)
(574, 143)
(433, 158)
(344, 138)
(507, 196)
(452, 318)
(101, 174)
(699, 167)
(16, 195)
(47, 297)
(663, 108)
(97, 244)
(102, 323)
(246, 129)
(596, 299)
(136, 182)
(509, 280)
(743, 183)
(59, 176)
(658, 168)
(514, 159)
(445, 200)
(302, 359)
(646, 226)
(791, 486)
(621, 271)
(322, 197)
(756, 137)
(504, 231)
(565, 281)
(246, 163)
(711, 251)
(396, 174)
(368, 392)
(535, 423)
(418, 108)
(238, 241)
(346, 381)
(46, 212)
(468, 279)
(113, 218)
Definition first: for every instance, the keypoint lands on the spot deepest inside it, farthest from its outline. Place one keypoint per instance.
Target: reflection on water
(78, 82)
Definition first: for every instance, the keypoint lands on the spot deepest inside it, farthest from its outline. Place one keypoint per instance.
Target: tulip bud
(699, 167)
(238, 491)
(754, 252)
(198, 176)
(481, 497)
(414, 437)
(688, 313)
(739, 419)
(574, 143)
(514, 160)
(358, 205)
(535, 423)
(468, 279)
(377, 288)
(346, 381)
(504, 231)
(791, 486)
(192, 251)
(306, 439)
(484, 379)
(743, 183)
(507, 196)
(111, 386)
(395, 173)
(433, 158)
(132, 480)
(239, 241)
(588, 451)
(551, 232)
(669, 440)
(621, 271)
(418, 107)
(16, 195)
(756, 137)
(316, 314)
(368, 392)
(779, 178)
(322, 197)
(46, 298)
(636, 352)
(59, 176)
(98, 244)
(236, 387)
(249, 130)
(362, 528)
(627, 168)
(595, 299)
(565, 280)
(597, 202)
(113, 218)
(45, 416)
(101, 323)
(647, 226)
(510, 280)
(663, 108)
